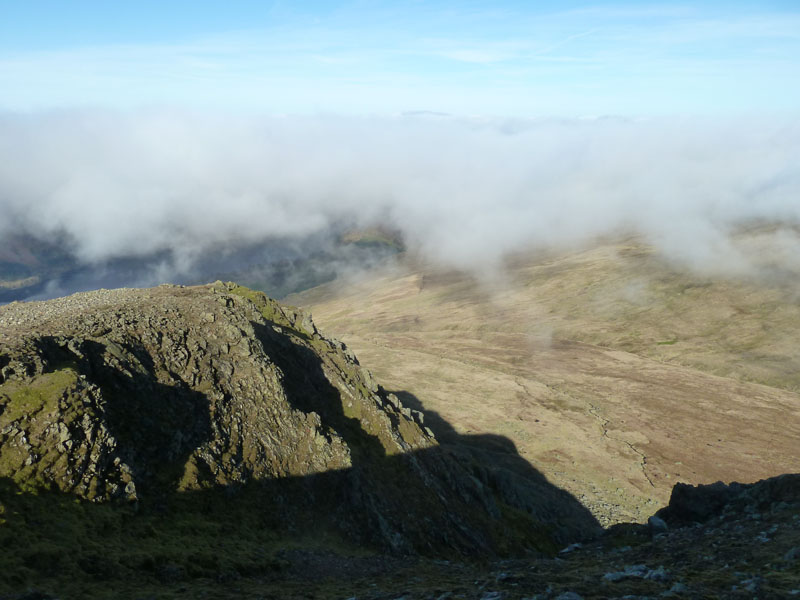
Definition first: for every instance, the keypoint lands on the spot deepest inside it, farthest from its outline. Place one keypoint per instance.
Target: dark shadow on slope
(433, 420)
(495, 461)
(309, 390)
(156, 426)
(210, 543)
(505, 478)
(457, 492)
(468, 496)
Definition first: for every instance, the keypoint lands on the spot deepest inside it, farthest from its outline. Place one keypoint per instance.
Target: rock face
(141, 396)
(699, 504)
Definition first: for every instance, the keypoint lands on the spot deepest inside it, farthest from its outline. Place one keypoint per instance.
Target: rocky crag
(712, 541)
(200, 433)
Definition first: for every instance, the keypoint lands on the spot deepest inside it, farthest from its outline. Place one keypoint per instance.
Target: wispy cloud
(463, 191)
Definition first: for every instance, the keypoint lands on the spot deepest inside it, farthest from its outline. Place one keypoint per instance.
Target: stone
(678, 588)
(658, 574)
(657, 525)
(637, 572)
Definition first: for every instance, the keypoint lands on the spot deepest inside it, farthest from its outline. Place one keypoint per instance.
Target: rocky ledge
(713, 541)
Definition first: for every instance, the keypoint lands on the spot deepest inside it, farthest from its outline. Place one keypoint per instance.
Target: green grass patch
(42, 393)
(283, 316)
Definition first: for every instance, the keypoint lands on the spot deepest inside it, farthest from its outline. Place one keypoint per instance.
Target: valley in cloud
(176, 191)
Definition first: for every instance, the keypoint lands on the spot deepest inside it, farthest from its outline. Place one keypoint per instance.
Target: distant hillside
(615, 373)
(27, 263)
(36, 268)
(374, 236)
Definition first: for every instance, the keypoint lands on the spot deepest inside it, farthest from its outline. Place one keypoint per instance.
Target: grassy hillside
(614, 372)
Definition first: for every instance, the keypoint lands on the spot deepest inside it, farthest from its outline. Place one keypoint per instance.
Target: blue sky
(468, 58)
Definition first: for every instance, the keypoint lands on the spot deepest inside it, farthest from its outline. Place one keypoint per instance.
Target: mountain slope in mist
(177, 190)
(37, 268)
(614, 372)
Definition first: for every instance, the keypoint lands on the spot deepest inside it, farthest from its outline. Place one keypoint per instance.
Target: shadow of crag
(206, 428)
(496, 463)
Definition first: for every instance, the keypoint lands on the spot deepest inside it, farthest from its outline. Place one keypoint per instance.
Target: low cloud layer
(463, 192)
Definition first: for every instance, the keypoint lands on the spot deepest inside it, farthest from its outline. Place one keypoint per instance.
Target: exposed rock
(638, 572)
(677, 588)
(657, 525)
(689, 504)
(571, 548)
(135, 395)
(698, 504)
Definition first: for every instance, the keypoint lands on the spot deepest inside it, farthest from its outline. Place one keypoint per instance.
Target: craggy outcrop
(690, 504)
(136, 396)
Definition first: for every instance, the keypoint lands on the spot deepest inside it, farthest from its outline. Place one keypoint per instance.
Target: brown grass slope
(615, 373)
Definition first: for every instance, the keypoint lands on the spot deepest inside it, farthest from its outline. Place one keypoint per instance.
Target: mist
(462, 192)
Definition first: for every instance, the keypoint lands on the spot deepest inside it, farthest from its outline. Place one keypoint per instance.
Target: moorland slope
(615, 373)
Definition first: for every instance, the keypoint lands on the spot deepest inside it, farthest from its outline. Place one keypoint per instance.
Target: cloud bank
(463, 192)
